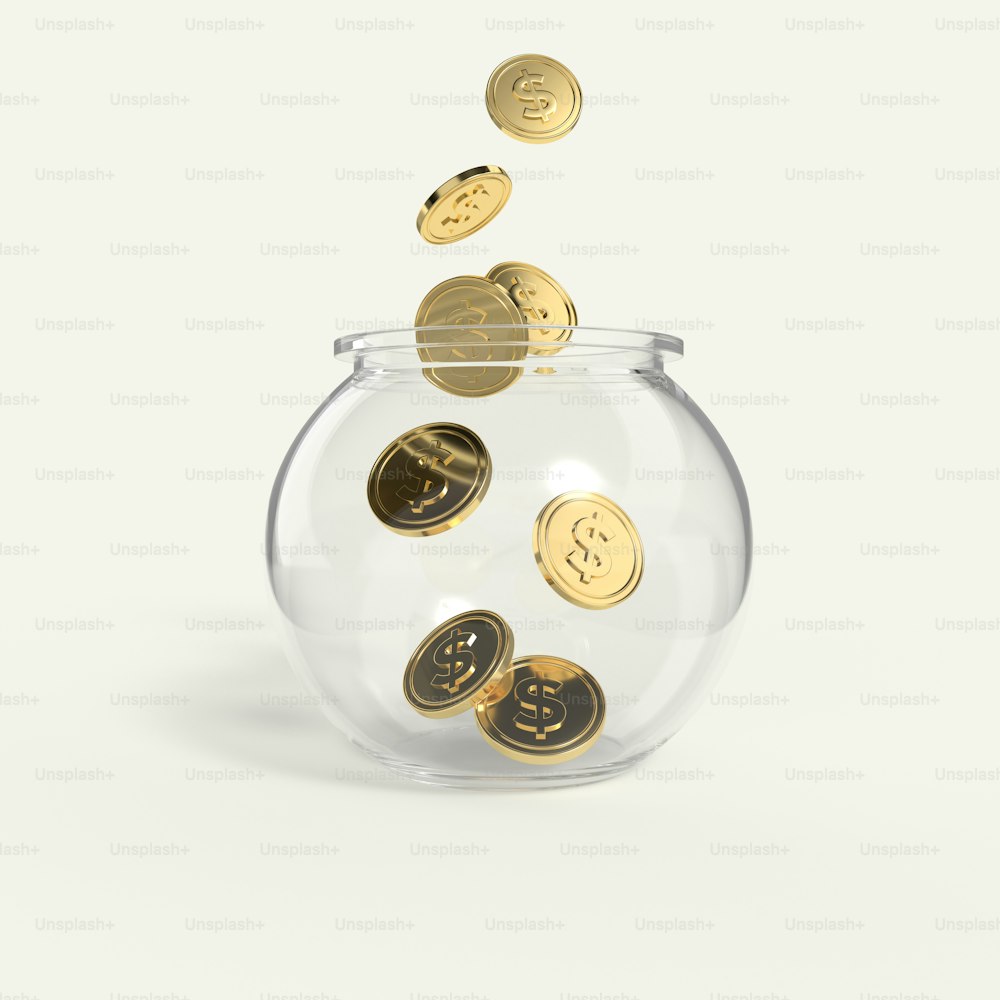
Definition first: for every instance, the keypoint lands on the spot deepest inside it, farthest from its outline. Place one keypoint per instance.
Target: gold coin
(471, 354)
(464, 204)
(533, 98)
(459, 665)
(539, 299)
(552, 712)
(588, 549)
(430, 479)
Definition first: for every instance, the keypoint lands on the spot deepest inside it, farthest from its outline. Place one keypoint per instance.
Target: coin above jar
(464, 204)
(533, 98)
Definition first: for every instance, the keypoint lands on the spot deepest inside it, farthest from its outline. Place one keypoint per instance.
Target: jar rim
(585, 345)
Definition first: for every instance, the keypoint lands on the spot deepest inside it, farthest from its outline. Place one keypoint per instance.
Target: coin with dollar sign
(588, 550)
(533, 98)
(553, 711)
(464, 204)
(539, 299)
(475, 330)
(461, 664)
(429, 479)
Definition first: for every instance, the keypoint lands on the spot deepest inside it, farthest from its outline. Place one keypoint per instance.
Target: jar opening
(553, 346)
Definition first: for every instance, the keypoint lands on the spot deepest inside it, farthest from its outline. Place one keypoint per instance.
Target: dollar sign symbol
(522, 292)
(476, 347)
(427, 483)
(592, 559)
(541, 103)
(463, 206)
(543, 712)
(455, 657)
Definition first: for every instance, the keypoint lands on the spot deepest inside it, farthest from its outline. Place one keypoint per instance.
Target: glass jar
(600, 415)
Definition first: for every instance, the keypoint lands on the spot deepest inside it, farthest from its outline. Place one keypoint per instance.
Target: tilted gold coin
(464, 204)
(533, 98)
(469, 361)
(540, 299)
(430, 479)
(553, 711)
(588, 549)
(459, 665)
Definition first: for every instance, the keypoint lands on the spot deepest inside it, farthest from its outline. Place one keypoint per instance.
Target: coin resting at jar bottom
(553, 711)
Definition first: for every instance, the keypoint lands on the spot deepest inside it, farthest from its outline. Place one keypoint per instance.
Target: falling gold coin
(430, 479)
(460, 664)
(588, 549)
(552, 712)
(533, 98)
(539, 299)
(469, 361)
(464, 204)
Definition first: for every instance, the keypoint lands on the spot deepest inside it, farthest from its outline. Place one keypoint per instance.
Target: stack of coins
(540, 709)
(472, 332)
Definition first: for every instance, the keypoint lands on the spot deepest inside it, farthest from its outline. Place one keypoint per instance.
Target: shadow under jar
(598, 416)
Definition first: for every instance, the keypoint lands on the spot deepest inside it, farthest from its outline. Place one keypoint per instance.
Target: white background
(826, 827)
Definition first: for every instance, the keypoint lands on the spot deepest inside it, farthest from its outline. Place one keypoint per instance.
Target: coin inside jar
(430, 479)
(459, 665)
(552, 712)
(588, 550)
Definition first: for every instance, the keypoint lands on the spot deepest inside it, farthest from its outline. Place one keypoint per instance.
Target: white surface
(236, 398)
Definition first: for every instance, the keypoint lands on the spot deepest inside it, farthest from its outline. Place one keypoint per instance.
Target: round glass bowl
(598, 416)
